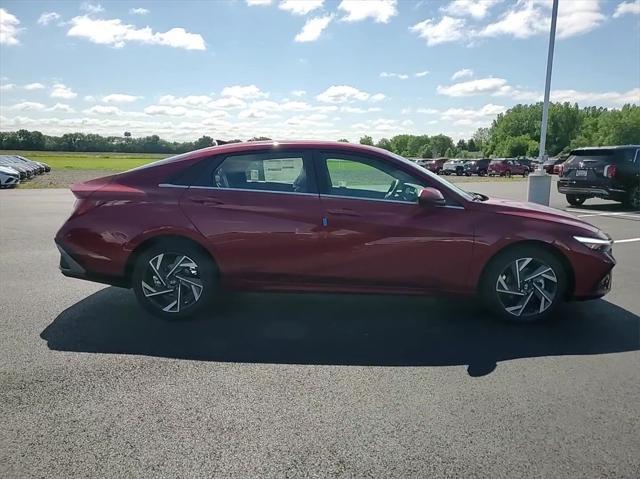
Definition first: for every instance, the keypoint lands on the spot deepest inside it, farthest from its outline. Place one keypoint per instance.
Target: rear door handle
(205, 201)
(343, 212)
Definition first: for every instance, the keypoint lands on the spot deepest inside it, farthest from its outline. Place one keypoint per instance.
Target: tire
(459, 172)
(576, 200)
(507, 174)
(632, 199)
(524, 304)
(191, 283)
(482, 173)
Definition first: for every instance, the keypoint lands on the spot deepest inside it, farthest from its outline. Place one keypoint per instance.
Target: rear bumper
(71, 268)
(567, 187)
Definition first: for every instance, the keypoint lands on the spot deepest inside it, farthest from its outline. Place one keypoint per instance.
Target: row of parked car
(482, 167)
(14, 169)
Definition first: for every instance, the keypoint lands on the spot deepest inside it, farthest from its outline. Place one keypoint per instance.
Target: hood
(538, 212)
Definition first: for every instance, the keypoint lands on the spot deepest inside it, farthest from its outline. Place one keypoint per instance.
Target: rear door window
(269, 172)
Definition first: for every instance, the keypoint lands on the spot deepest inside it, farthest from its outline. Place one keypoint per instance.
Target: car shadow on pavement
(323, 329)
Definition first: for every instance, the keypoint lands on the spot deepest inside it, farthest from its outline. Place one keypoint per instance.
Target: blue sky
(304, 69)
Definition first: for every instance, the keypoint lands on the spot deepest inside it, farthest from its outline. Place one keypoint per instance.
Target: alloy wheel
(526, 287)
(171, 282)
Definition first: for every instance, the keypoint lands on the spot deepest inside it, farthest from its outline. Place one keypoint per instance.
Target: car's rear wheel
(525, 284)
(633, 198)
(174, 280)
(576, 200)
(507, 173)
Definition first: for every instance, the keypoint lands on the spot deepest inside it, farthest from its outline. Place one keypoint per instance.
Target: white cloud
(9, 28)
(421, 74)
(61, 91)
(295, 106)
(90, 98)
(473, 87)
(448, 29)
(597, 98)
(28, 106)
(33, 86)
(457, 114)
(166, 110)
(104, 110)
(298, 93)
(92, 7)
(313, 28)
(464, 73)
(427, 111)
(377, 97)
(532, 17)
(120, 98)
(190, 100)
(61, 107)
(300, 7)
(252, 114)
(7, 86)
(244, 92)
(117, 34)
(624, 8)
(380, 11)
(341, 94)
(138, 11)
(47, 17)
(475, 8)
(228, 103)
(258, 3)
(400, 76)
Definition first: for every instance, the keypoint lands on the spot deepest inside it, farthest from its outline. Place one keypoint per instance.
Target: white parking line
(630, 240)
(635, 215)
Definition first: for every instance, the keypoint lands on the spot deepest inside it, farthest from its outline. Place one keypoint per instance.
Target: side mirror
(431, 197)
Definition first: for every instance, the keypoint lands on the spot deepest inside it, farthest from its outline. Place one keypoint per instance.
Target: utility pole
(539, 180)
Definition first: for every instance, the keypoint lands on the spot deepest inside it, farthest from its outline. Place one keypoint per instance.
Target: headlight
(596, 244)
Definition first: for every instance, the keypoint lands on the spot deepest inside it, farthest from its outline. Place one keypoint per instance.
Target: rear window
(610, 155)
(496, 162)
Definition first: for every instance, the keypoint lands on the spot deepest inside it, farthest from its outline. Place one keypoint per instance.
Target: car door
(378, 235)
(260, 213)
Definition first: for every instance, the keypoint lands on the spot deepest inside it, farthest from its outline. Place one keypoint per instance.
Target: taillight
(610, 171)
(81, 206)
(560, 169)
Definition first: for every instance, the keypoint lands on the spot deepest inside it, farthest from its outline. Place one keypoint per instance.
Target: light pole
(539, 180)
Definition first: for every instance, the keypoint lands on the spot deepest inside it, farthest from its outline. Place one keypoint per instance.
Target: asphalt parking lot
(309, 385)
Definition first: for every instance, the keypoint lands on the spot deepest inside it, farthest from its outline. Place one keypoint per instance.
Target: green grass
(61, 160)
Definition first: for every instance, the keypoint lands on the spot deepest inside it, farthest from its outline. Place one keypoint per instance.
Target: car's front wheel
(525, 284)
(576, 200)
(174, 280)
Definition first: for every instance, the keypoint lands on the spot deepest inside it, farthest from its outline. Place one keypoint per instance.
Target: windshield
(465, 194)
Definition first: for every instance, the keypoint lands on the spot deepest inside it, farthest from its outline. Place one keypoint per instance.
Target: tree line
(516, 132)
(513, 133)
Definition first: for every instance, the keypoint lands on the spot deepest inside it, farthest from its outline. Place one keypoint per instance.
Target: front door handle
(205, 201)
(343, 212)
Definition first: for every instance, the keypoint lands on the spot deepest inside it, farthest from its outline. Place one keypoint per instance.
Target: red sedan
(321, 216)
(507, 167)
